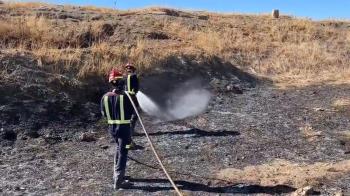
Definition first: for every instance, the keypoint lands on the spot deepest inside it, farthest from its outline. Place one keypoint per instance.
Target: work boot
(125, 184)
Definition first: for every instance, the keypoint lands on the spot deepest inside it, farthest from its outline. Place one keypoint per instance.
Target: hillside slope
(92, 40)
(278, 120)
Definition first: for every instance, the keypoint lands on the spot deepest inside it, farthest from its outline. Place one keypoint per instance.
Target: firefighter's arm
(134, 84)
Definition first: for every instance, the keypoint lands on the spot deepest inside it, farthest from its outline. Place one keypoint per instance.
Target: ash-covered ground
(302, 126)
(253, 139)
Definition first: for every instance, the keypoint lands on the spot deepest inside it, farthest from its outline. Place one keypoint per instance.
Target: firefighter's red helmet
(115, 75)
(130, 66)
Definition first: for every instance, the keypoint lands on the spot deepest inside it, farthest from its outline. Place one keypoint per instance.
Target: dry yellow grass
(100, 10)
(342, 104)
(287, 49)
(60, 49)
(310, 133)
(282, 172)
(290, 51)
(63, 59)
(102, 57)
(210, 41)
(344, 137)
(13, 4)
(347, 135)
(147, 54)
(30, 32)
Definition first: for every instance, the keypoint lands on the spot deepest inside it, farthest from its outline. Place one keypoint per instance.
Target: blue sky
(315, 9)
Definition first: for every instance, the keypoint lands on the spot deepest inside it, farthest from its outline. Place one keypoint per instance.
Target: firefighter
(117, 108)
(132, 82)
(132, 87)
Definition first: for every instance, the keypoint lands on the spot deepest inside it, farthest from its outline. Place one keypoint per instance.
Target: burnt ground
(238, 130)
(43, 114)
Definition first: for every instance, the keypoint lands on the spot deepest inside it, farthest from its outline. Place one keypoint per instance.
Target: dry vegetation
(284, 172)
(342, 104)
(310, 133)
(285, 49)
(16, 4)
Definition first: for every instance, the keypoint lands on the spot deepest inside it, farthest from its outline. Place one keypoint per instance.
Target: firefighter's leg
(134, 119)
(133, 145)
(116, 174)
(121, 155)
(113, 130)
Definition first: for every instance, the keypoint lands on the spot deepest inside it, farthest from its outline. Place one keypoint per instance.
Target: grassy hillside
(91, 40)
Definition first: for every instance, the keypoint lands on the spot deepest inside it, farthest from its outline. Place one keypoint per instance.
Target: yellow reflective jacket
(132, 84)
(117, 108)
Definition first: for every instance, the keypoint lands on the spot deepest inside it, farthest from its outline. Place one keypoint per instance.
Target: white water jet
(188, 100)
(148, 105)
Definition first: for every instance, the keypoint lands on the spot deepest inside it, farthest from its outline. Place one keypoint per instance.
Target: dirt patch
(310, 133)
(283, 172)
(344, 140)
(342, 104)
(345, 135)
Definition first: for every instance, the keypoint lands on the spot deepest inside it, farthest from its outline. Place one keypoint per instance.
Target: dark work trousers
(134, 117)
(122, 136)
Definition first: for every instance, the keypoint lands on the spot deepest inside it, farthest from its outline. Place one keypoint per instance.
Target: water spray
(152, 147)
(190, 99)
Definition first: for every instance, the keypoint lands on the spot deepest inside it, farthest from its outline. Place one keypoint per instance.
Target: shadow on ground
(195, 132)
(193, 186)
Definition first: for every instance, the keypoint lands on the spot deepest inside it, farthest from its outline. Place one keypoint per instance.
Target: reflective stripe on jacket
(116, 108)
(132, 84)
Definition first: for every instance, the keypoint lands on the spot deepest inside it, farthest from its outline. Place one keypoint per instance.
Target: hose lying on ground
(152, 147)
(179, 173)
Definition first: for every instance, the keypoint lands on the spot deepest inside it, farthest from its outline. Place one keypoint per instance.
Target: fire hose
(152, 147)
